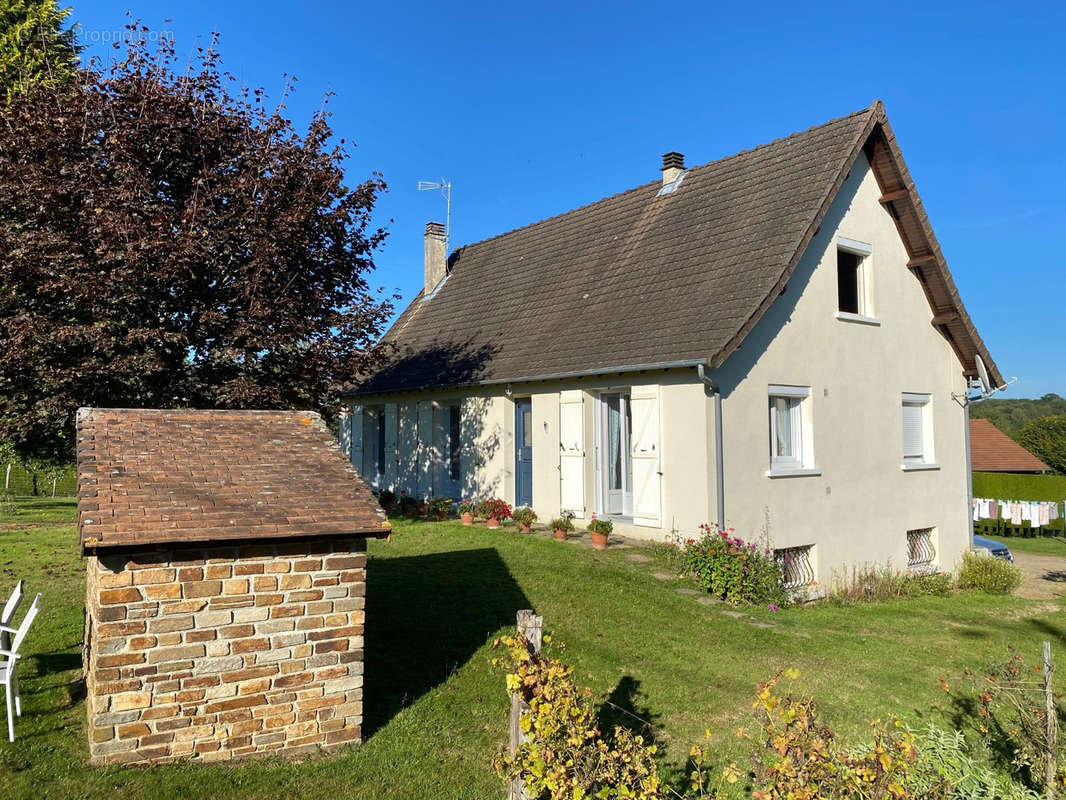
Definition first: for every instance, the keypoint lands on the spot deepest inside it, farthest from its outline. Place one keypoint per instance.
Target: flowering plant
(732, 569)
(467, 506)
(494, 508)
(564, 522)
(440, 507)
(525, 515)
(604, 526)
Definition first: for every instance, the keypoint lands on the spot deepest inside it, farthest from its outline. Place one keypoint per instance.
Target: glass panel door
(616, 468)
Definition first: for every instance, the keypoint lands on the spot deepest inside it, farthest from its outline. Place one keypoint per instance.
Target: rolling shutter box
(646, 456)
(572, 452)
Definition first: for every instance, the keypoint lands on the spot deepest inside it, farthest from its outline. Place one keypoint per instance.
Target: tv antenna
(445, 188)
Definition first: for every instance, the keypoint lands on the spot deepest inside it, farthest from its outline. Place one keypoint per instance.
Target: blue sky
(531, 109)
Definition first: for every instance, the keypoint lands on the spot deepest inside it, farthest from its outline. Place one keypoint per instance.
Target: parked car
(998, 549)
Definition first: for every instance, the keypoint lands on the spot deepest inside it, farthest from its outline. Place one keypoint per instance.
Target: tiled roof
(165, 476)
(991, 450)
(638, 279)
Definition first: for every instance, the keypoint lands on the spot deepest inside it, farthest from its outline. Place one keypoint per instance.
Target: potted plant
(440, 507)
(466, 511)
(387, 500)
(494, 510)
(600, 529)
(562, 525)
(408, 505)
(525, 517)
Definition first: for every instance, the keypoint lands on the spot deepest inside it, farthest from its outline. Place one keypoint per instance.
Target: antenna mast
(445, 188)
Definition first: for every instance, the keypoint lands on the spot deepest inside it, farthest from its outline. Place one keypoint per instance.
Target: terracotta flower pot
(523, 528)
(559, 534)
(492, 522)
(467, 518)
(423, 510)
(599, 540)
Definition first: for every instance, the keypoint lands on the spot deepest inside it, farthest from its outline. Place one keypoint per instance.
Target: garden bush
(989, 574)
(728, 567)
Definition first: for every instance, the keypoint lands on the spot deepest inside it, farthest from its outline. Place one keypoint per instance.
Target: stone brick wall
(226, 651)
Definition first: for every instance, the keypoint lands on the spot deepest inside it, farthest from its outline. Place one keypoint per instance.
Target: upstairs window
(917, 431)
(853, 280)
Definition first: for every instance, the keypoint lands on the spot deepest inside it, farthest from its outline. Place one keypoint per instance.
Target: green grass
(1042, 545)
(435, 709)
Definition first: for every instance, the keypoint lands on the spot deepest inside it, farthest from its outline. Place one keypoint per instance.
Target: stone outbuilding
(226, 583)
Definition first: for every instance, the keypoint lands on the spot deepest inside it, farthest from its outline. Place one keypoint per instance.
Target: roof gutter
(719, 458)
(551, 376)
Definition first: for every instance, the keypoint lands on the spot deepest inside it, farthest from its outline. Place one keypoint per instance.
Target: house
(771, 341)
(991, 450)
(226, 560)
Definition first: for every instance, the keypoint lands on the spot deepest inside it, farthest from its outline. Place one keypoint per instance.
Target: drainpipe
(719, 466)
(969, 467)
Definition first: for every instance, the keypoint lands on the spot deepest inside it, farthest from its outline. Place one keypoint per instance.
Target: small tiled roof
(148, 477)
(991, 450)
(639, 279)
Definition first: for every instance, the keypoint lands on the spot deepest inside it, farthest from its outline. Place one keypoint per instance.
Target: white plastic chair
(7, 669)
(8, 614)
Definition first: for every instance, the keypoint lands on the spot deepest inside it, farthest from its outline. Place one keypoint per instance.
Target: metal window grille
(795, 565)
(920, 549)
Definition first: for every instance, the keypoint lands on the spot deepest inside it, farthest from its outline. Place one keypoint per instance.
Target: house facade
(771, 342)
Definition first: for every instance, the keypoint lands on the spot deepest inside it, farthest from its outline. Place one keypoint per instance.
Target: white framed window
(918, 432)
(854, 282)
(791, 441)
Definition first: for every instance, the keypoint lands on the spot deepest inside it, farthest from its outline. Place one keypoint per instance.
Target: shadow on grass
(426, 616)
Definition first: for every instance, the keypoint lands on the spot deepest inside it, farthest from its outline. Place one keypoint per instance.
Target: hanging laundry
(1053, 512)
(1045, 513)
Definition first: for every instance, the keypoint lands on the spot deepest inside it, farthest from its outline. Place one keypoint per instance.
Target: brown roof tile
(991, 450)
(690, 272)
(163, 476)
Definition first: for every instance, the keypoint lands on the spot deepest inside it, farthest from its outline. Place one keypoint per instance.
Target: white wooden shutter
(572, 452)
(406, 479)
(646, 455)
(425, 447)
(468, 460)
(391, 465)
(913, 438)
(344, 430)
(356, 451)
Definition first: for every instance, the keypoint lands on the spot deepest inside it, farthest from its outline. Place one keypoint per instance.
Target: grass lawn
(1044, 545)
(436, 710)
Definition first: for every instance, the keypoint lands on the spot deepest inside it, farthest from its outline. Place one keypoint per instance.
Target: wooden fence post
(530, 628)
(1051, 729)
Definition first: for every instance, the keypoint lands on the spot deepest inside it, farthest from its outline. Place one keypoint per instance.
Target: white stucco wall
(857, 508)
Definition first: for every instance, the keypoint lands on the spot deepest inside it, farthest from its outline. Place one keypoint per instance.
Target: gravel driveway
(1045, 576)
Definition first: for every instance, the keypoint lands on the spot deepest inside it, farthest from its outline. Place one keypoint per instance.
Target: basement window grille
(920, 550)
(796, 566)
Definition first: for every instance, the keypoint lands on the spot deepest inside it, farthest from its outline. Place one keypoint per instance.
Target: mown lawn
(1044, 545)
(439, 593)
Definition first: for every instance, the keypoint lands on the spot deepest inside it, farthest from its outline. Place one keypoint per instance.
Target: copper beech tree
(166, 240)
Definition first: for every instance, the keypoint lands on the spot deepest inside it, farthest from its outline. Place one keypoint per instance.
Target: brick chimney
(673, 165)
(436, 257)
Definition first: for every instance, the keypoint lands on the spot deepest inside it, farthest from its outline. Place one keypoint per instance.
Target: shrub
(943, 755)
(566, 755)
(989, 574)
(387, 499)
(494, 508)
(524, 515)
(729, 568)
(604, 526)
(409, 506)
(565, 522)
(869, 584)
(440, 507)
(799, 758)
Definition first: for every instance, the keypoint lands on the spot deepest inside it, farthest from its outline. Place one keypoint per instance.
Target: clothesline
(1038, 513)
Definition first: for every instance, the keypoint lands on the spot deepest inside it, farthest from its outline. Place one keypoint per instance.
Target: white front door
(615, 465)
